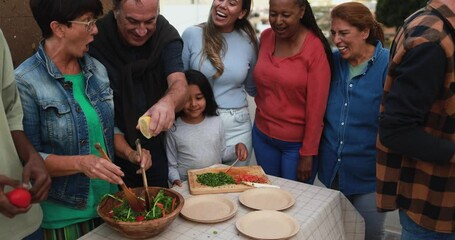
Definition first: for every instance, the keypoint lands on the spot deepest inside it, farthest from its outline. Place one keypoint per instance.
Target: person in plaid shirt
(416, 144)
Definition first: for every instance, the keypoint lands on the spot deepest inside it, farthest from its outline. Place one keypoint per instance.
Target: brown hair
(213, 43)
(359, 16)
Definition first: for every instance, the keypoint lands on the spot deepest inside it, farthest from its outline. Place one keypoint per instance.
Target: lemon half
(144, 123)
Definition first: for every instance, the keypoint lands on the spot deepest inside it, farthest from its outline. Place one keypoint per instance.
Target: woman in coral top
(292, 77)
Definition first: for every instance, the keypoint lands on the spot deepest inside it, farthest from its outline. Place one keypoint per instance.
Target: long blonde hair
(214, 44)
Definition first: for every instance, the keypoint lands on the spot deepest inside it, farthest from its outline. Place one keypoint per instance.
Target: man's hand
(6, 208)
(162, 116)
(145, 161)
(34, 167)
(35, 170)
(163, 112)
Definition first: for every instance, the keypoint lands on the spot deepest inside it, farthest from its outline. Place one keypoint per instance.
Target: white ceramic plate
(268, 224)
(267, 199)
(208, 208)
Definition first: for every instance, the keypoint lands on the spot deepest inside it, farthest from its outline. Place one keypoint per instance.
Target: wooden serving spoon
(135, 203)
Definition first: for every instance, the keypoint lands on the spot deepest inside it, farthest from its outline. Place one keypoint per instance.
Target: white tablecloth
(323, 214)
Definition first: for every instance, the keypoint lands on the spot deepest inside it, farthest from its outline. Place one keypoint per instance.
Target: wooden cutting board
(197, 188)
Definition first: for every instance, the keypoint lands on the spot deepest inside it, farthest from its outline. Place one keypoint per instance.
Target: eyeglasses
(88, 25)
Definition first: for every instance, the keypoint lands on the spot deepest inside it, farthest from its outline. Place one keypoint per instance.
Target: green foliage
(392, 13)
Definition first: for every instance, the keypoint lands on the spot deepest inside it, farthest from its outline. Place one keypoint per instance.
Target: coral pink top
(292, 92)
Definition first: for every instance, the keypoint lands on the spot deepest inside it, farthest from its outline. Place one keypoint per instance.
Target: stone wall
(21, 30)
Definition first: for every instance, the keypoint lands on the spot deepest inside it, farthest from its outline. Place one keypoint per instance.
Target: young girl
(197, 139)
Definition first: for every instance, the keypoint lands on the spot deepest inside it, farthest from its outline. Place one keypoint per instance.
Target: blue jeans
(365, 204)
(237, 129)
(278, 158)
(37, 235)
(412, 231)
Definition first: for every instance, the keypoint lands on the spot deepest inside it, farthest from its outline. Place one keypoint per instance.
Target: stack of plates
(208, 208)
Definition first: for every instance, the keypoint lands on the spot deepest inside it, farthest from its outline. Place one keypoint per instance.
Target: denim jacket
(348, 142)
(54, 121)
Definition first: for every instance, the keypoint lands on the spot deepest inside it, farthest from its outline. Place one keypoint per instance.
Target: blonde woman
(224, 49)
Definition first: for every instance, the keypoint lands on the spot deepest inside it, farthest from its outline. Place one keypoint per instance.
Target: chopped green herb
(215, 179)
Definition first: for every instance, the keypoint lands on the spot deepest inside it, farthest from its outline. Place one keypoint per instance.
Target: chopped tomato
(249, 178)
(161, 206)
(140, 218)
(173, 204)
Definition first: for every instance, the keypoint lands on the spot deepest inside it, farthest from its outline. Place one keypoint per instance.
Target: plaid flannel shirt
(425, 190)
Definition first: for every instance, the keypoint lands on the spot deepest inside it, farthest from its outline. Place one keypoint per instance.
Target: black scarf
(136, 73)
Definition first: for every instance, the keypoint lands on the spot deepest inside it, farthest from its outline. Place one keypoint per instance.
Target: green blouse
(56, 215)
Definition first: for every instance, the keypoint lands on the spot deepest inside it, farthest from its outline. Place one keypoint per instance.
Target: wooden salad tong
(144, 176)
(135, 203)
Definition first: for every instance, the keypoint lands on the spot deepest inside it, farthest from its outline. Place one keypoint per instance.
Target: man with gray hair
(142, 53)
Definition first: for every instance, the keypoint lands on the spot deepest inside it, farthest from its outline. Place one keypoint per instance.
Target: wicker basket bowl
(143, 229)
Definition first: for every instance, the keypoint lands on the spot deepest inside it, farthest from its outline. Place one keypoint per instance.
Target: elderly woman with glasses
(68, 107)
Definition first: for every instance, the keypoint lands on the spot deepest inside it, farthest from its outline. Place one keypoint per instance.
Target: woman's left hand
(304, 168)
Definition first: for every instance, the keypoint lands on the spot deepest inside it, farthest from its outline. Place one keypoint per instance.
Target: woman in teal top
(347, 151)
(68, 107)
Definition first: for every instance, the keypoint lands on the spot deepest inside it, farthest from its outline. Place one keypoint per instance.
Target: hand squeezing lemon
(144, 123)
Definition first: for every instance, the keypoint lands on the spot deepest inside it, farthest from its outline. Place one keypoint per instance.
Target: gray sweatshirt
(194, 146)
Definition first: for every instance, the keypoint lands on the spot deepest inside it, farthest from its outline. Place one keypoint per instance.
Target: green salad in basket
(159, 207)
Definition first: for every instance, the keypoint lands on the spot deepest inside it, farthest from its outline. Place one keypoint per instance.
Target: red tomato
(140, 218)
(249, 178)
(19, 197)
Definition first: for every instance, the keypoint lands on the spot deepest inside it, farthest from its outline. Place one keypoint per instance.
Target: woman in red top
(292, 77)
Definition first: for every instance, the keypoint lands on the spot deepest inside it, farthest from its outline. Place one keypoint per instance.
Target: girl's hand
(96, 167)
(145, 161)
(177, 182)
(304, 168)
(241, 151)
